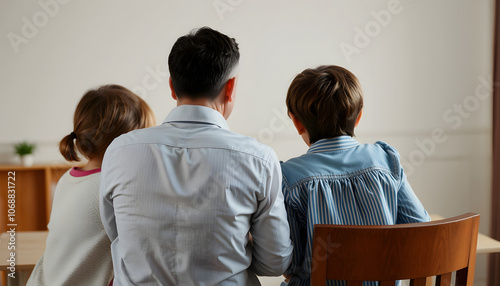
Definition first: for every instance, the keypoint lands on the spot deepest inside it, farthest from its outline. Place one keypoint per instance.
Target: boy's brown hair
(102, 115)
(326, 100)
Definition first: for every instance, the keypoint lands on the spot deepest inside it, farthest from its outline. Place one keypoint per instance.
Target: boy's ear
(174, 96)
(359, 117)
(298, 125)
(230, 89)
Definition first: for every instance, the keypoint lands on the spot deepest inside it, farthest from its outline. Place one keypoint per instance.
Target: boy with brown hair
(338, 180)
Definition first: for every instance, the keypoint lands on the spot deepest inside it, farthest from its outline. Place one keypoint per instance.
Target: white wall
(417, 67)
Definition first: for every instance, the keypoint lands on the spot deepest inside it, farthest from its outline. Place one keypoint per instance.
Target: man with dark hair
(201, 63)
(182, 201)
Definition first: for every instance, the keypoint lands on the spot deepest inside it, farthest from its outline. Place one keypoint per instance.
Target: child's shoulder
(387, 148)
(305, 166)
(390, 155)
(364, 156)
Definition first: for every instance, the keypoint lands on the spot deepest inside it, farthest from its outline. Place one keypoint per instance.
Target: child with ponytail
(77, 250)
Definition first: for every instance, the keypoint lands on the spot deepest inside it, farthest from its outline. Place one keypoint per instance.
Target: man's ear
(230, 89)
(359, 117)
(298, 125)
(174, 96)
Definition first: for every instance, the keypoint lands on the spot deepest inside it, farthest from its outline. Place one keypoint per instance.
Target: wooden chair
(389, 253)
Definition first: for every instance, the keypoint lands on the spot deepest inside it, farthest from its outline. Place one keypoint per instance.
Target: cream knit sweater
(77, 250)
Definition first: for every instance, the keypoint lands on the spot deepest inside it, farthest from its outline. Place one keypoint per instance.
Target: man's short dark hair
(326, 100)
(201, 62)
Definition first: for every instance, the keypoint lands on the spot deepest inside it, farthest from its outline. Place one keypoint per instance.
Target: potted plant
(25, 151)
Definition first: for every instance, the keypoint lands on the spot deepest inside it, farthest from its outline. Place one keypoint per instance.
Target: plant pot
(27, 160)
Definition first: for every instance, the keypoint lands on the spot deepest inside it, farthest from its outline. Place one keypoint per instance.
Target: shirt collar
(333, 144)
(196, 114)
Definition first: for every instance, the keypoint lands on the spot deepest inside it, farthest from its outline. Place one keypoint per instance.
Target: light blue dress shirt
(340, 181)
(179, 200)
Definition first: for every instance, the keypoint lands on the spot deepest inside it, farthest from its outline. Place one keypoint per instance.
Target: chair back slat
(396, 252)
(418, 282)
(443, 279)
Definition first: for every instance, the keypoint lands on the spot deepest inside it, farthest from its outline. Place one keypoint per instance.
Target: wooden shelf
(34, 191)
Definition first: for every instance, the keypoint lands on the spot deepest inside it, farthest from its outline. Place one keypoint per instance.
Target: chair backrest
(389, 253)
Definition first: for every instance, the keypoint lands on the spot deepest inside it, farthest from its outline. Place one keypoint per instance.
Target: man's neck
(213, 104)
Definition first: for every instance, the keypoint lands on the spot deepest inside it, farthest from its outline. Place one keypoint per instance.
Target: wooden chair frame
(389, 253)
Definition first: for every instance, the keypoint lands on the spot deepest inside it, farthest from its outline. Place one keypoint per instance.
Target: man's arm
(272, 248)
(105, 197)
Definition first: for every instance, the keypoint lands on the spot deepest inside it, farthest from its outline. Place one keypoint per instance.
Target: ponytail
(68, 149)
(102, 115)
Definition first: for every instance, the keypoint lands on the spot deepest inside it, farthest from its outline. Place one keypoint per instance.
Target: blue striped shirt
(340, 181)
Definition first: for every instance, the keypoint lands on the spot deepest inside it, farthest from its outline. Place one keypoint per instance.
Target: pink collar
(77, 172)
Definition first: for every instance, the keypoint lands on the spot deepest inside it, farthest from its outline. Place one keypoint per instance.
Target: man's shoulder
(135, 137)
(237, 142)
(215, 138)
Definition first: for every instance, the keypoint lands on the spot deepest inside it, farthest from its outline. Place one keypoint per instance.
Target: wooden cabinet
(34, 187)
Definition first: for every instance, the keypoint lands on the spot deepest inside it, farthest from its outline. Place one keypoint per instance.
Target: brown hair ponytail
(102, 115)
(68, 149)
